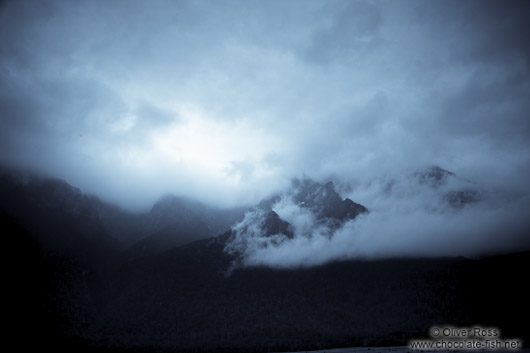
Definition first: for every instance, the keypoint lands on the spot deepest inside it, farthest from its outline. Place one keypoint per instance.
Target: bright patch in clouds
(221, 160)
(210, 146)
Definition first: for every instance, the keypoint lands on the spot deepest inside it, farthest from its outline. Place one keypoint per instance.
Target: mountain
(63, 217)
(55, 213)
(321, 200)
(433, 176)
(272, 224)
(181, 300)
(438, 178)
(72, 286)
(324, 202)
(267, 225)
(175, 221)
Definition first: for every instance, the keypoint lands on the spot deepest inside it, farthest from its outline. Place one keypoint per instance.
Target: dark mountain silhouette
(58, 215)
(180, 300)
(86, 296)
(273, 224)
(193, 306)
(65, 217)
(176, 221)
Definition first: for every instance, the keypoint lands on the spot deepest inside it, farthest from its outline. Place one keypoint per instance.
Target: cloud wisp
(409, 216)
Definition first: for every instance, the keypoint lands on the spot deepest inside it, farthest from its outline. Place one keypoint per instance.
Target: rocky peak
(321, 200)
(434, 176)
(314, 195)
(272, 224)
(324, 201)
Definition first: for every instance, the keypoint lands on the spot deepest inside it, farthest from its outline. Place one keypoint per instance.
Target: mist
(408, 217)
(225, 102)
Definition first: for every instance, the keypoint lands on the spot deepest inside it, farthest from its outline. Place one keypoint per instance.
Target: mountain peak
(321, 200)
(273, 224)
(434, 176)
(324, 202)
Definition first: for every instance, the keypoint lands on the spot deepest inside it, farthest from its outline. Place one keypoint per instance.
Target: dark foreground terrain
(70, 287)
(180, 300)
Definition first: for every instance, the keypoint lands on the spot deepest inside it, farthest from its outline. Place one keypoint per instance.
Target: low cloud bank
(408, 216)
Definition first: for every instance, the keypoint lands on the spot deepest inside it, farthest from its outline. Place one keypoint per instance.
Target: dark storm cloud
(487, 104)
(493, 31)
(351, 29)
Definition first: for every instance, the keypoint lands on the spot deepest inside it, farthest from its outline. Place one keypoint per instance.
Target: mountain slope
(57, 214)
(64, 218)
(184, 299)
(307, 210)
(83, 296)
(175, 221)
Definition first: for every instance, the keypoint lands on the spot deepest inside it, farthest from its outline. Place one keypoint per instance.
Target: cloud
(227, 101)
(409, 216)
(351, 31)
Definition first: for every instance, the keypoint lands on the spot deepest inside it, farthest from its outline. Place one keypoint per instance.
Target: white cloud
(406, 218)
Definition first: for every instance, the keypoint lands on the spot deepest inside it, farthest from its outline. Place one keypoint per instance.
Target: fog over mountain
(226, 102)
(429, 212)
(304, 269)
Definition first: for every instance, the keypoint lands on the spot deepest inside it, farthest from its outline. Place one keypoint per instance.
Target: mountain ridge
(46, 203)
(191, 298)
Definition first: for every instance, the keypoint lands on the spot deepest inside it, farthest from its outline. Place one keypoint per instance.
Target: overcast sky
(226, 101)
